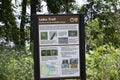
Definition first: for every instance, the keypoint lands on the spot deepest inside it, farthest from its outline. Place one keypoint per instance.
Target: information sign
(57, 46)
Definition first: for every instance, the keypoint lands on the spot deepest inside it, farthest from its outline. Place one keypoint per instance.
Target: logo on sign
(73, 19)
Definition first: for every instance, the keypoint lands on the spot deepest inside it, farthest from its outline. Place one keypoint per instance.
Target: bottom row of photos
(70, 63)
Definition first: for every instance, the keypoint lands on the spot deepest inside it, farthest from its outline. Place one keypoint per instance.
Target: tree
(104, 12)
(33, 4)
(60, 6)
(103, 63)
(22, 24)
(9, 30)
(100, 8)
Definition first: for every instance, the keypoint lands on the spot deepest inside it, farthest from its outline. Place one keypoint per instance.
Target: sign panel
(58, 46)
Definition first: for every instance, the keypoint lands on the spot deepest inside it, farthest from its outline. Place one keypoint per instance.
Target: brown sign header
(45, 19)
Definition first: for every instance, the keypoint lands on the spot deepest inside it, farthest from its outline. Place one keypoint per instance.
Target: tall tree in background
(22, 24)
(8, 29)
(0, 10)
(102, 14)
(33, 5)
(68, 6)
(60, 6)
(98, 8)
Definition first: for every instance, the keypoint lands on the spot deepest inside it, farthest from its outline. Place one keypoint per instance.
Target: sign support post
(82, 48)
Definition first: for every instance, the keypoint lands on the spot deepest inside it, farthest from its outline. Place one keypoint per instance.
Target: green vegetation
(103, 63)
(102, 30)
(15, 64)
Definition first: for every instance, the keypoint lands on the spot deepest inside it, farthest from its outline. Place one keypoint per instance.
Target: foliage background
(102, 30)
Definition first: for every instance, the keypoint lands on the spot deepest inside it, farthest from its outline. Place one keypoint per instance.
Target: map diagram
(48, 70)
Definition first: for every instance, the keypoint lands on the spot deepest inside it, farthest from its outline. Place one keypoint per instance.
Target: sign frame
(37, 49)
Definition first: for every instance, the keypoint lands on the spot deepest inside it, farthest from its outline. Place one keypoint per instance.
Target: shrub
(103, 63)
(15, 64)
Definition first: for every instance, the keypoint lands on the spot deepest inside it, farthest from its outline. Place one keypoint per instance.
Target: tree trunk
(22, 24)
(33, 11)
